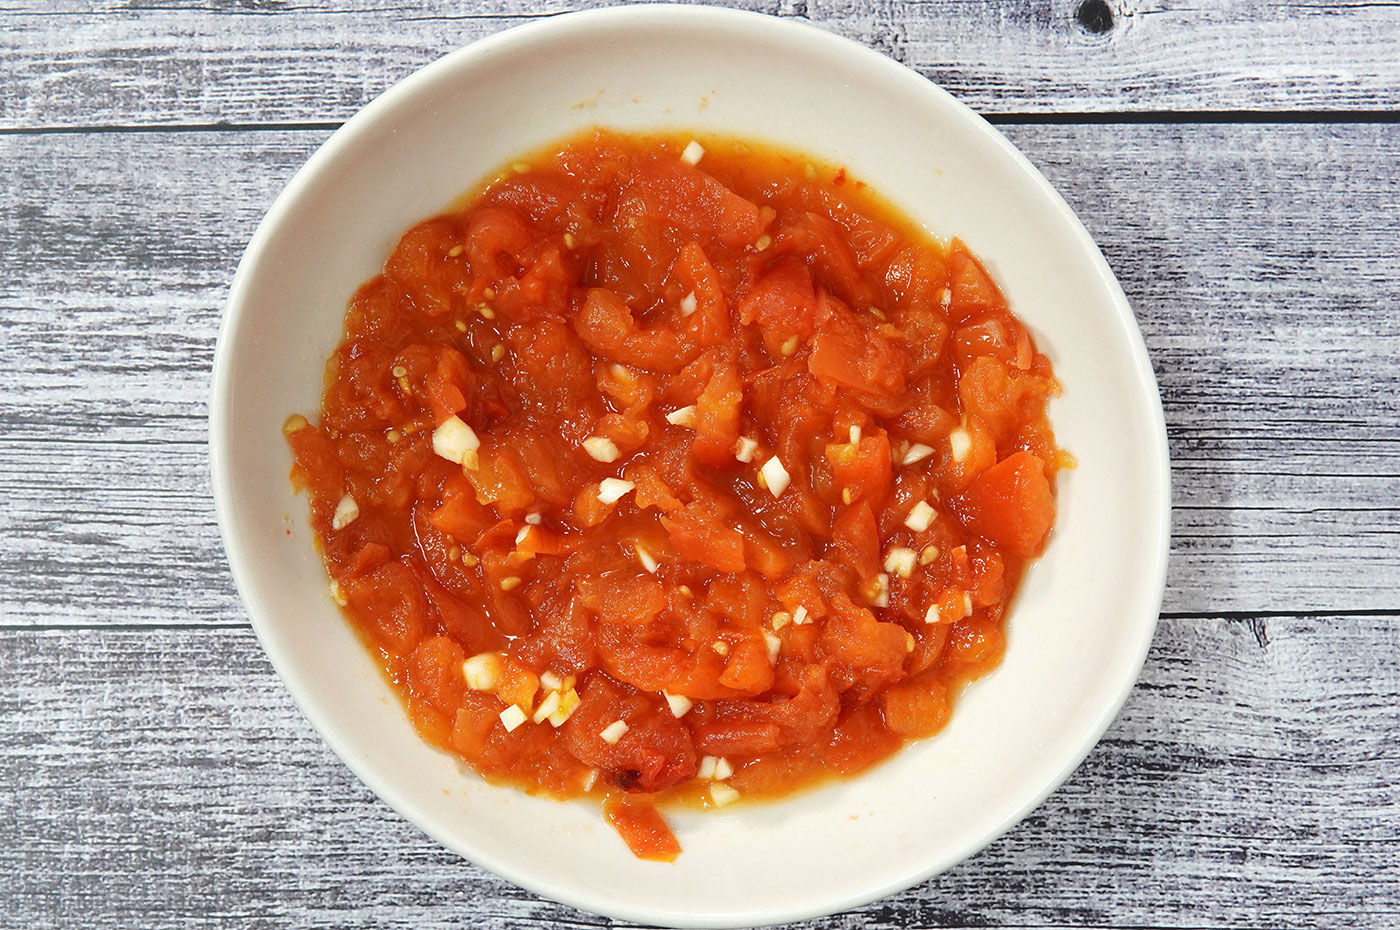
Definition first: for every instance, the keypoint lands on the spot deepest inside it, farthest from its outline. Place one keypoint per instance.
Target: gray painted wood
(176, 61)
(1270, 301)
(156, 774)
(163, 778)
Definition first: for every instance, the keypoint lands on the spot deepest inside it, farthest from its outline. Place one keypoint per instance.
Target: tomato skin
(753, 468)
(463, 621)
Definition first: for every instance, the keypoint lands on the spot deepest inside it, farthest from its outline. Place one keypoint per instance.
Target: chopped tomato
(699, 534)
(858, 357)
(973, 289)
(717, 416)
(855, 540)
(1011, 504)
(460, 514)
(862, 469)
(630, 461)
(916, 708)
(643, 830)
(783, 305)
(748, 670)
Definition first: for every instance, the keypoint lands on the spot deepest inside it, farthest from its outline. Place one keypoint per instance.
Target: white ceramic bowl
(1079, 630)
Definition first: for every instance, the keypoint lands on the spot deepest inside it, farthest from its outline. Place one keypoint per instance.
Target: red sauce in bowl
(658, 478)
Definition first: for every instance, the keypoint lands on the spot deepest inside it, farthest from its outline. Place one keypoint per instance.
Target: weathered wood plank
(163, 778)
(1259, 259)
(112, 63)
(134, 541)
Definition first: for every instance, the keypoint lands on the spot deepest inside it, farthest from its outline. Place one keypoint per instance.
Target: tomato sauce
(659, 472)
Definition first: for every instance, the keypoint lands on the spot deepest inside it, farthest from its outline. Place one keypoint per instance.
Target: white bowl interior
(1078, 632)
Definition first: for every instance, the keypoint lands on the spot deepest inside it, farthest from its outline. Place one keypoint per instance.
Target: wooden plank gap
(1176, 117)
(100, 129)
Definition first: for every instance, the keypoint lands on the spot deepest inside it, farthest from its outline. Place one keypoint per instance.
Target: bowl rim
(815, 40)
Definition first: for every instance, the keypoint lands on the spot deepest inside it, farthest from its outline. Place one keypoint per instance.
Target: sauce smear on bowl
(668, 472)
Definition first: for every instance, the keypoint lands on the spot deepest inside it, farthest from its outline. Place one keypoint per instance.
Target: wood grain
(156, 772)
(117, 64)
(163, 778)
(1260, 261)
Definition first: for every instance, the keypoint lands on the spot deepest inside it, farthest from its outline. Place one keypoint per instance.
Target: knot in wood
(1095, 16)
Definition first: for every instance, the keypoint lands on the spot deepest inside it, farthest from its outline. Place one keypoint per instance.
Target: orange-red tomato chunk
(667, 480)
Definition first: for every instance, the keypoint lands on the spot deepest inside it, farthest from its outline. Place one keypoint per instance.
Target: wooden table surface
(1239, 164)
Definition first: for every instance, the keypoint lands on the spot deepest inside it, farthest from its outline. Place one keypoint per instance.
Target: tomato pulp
(662, 471)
